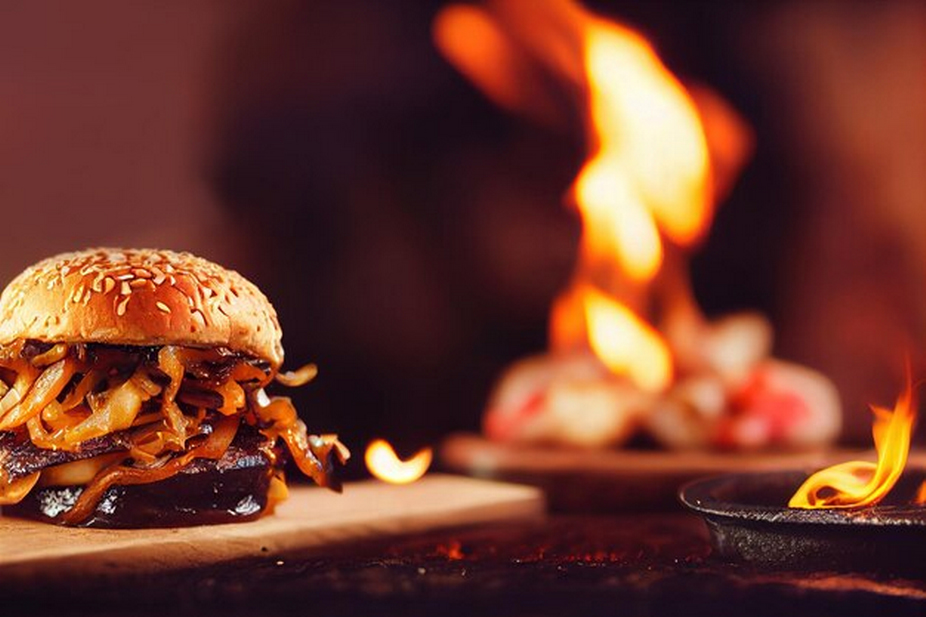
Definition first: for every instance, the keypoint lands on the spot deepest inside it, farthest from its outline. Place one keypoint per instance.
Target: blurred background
(411, 234)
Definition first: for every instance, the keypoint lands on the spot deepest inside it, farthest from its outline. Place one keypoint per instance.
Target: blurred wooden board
(311, 518)
(615, 480)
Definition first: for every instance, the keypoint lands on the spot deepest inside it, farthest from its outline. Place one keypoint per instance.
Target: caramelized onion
(213, 447)
(233, 397)
(56, 353)
(85, 386)
(13, 396)
(13, 492)
(170, 364)
(200, 397)
(42, 438)
(60, 422)
(309, 452)
(113, 410)
(277, 492)
(45, 389)
(245, 371)
(299, 377)
(40, 395)
(80, 472)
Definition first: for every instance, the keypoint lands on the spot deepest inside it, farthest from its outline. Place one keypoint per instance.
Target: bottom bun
(207, 492)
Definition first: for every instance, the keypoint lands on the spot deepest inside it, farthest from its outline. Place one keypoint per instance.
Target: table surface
(631, 564)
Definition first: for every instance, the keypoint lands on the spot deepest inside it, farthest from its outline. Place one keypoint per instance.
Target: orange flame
(858, 483)
(648, 181)
(649, 136)
(626, 345)
(649, 173)
(384, 464)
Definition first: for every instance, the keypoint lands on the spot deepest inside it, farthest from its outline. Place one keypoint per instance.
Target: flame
(384, 464)
(858, 483)
(481, 52)
(647, 184)
(647, 179)
(649, 135)
(920, 497)
(659, 155)
(627, 345)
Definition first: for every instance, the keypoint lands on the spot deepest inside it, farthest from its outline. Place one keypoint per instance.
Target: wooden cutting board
(616, 480)
(311, 518)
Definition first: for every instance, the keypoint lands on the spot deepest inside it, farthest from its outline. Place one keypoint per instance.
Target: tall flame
(648, 174)
(859, 483)
(651, 154)
(647, 185)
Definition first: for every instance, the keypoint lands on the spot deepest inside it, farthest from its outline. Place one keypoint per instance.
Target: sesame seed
(125, 277)
(141, 273)
(125, 290)
(162, 307)
(159, 275)
(108, 285)
(199, 317)
(138, 283)
(120, 308)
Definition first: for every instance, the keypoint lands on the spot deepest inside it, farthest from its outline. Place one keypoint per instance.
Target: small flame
(625, 344)
(858, 483)
(384, 464)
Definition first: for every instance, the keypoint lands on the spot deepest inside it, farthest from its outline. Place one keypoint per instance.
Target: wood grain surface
(620, 480)
(310, 518)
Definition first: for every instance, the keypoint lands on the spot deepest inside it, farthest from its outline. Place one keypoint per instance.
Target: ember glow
(859, 483)
(384, 464)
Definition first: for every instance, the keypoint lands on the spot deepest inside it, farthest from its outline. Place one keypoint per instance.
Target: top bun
(139, 297)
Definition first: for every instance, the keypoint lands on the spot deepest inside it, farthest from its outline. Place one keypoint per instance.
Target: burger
(132, 394)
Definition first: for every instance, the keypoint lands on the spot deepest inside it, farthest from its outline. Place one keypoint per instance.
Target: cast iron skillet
(749, 521)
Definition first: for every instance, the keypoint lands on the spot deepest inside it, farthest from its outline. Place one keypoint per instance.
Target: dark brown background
(410, 234)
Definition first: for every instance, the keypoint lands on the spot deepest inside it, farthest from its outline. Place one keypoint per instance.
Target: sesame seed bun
(139, 297)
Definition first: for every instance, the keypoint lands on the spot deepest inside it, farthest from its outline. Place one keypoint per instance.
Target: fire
(858, 483)
(648, 178)
(625, 344)
(647, 185)
(630, 349)
(648, 134)
(384, 464)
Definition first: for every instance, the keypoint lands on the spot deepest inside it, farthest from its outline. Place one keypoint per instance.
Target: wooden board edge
(516, 503)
